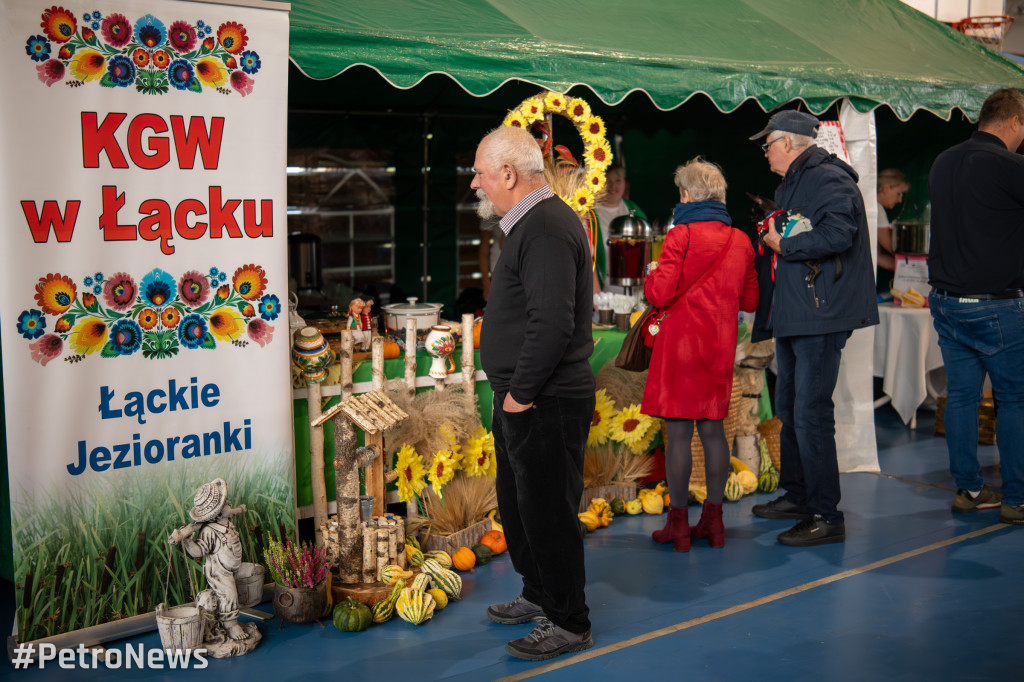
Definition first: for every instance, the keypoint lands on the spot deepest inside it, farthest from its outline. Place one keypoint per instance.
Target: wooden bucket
(181, 627)
(300, 604)
(249, 583)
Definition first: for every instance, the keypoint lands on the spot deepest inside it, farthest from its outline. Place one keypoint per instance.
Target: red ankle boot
(710, 525)
(676, 530)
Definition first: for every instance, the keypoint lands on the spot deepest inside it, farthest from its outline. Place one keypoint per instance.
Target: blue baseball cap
(790, 121)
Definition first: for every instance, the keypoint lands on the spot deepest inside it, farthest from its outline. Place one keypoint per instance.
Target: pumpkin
(391, 350)
(421, 583)
(733, 488)
(414, 556)
(494, 539)
(482, 553)
(464, 559)
(352, 616)
(440, 556)
(392, 572)
(385, 608)
(449, 581)
(634, 506)
(440, 598)
(618, 506)
(653, 503)
(476, 332)
(667, 500)
(414, 607)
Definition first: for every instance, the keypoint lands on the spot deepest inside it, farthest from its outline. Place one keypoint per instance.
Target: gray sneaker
(964, 503)
(519, 610)
(547, 640)
(1012, 514)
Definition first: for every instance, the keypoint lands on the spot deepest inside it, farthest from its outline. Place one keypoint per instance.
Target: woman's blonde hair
(702, 179)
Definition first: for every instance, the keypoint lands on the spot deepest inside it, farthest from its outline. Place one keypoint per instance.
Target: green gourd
(385, 608)
(440, 556)
(392, 572)
(449, 581)
(483, 554)
(414, 607)
(768, 481)
(352, 616)
(733, 488)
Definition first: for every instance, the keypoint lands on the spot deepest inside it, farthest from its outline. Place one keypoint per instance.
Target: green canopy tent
(874, 52)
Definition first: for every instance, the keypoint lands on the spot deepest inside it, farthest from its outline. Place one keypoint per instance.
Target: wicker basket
(986, 418)
(770, 431)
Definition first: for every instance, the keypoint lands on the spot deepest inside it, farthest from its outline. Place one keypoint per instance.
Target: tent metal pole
(427, 136)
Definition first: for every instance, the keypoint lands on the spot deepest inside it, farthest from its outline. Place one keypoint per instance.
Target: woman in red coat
(704, 278)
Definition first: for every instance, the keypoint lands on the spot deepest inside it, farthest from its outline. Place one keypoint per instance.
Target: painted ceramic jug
(440, 343)
(312, 355)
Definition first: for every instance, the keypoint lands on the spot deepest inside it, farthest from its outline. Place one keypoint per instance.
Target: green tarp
(873, 51)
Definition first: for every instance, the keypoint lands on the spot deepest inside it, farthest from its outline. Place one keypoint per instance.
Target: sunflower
(226, 324)
(582, 200)
(55, 293)
(88, 65)
(555, 102)
(532, 109)
(249, 281)
(598, 155)
(88, 335)
(593, 129)
(478, 459)
(441, 470)
(595, 180)
(578, 110)
(59, 24)
(653, 431)
(604, 410)
(211, 72)
(409, 468)
(516, 120)
(630, 427)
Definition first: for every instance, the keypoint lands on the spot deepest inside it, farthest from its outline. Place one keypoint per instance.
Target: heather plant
(292, 565)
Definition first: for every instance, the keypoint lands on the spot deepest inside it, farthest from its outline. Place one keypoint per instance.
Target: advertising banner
(143, 291)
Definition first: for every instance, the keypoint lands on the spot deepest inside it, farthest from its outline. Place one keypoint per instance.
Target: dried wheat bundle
(467, 499)
(625, 388)
(633, 467)
(428, 412)
(600, 463)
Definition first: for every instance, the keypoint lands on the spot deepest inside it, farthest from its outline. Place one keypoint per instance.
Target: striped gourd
(449, 581)
(768, 481)
(414, 606)
(440, 556)
(414, 555)
(766, 459)
(411, 540)
(392, 572)
(421, 583)
(733, 488)
(385, 608)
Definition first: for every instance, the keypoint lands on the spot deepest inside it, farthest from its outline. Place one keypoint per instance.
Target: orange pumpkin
(476, 332)
(391, 350)
(495, 540)
(464, 559)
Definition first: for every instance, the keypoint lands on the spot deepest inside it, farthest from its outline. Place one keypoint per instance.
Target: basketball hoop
(988, 30)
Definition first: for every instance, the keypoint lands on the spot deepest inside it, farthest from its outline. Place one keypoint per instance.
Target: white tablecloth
(906, 350)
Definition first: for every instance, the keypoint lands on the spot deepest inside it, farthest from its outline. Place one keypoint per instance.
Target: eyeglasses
(769, 143)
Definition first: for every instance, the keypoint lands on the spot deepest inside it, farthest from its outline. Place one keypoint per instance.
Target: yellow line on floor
(739, 608)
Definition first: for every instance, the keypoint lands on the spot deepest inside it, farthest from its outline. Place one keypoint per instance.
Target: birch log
(400, 531)
(346, 476)
(393, 544)
(382, 548)
(369, 554)
(316, 462)
(410, 356)
(468, 367)
(375, 474)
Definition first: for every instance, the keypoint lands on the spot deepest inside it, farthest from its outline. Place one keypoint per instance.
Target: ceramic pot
(440, 343)
(312, 355)
(425, 314)
(300, 604)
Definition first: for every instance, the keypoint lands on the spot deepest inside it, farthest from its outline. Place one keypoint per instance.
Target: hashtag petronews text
(134, 656)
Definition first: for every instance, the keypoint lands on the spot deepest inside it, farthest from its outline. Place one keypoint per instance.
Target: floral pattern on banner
(149, 54)
(156, 315)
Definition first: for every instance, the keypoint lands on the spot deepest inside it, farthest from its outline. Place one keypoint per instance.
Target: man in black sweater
(535, 346)
(976, 269)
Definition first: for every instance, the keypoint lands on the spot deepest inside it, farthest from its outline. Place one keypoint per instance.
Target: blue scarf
(701, 211)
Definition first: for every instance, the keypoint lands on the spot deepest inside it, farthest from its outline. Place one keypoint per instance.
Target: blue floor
(911, 595)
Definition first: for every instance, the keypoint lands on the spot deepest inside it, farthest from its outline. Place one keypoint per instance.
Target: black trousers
(539, 484)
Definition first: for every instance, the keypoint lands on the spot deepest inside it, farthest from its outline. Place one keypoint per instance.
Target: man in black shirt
(976, 270)
(535, 346)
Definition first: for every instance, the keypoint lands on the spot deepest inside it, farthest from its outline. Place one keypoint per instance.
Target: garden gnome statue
(218, 542)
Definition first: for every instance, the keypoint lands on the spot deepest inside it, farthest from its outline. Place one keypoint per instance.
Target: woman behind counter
(704, 277)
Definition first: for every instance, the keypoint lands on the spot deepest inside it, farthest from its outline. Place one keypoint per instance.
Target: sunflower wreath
(579, 189)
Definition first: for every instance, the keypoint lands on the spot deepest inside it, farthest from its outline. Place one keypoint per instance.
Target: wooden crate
(986, 418)
(467, 537)
(627, 491)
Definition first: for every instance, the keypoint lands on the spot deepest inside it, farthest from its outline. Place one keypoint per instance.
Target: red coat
(694, 352)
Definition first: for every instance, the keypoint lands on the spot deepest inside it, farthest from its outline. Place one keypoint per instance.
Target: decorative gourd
(391, 350)
(634, 506)
(666, 498)
(385, 608)
(768, 481)
(414, 606)
(464, 559)
(411, 540)
(414, 555)
(697, 494)
(748, 480)
(733, 488)
(494, 539)
(598, 505)
(477, 326)
(440, 598)
(766, 458)
(352, 616)
(482, 553)
(618, 506)
(392, 572)
(421, 583)
(583, 528)
(449, 581)
(661, 488)
(495, 520)
(590, 519)
(738, 465)
(440, 556)
(653, 503)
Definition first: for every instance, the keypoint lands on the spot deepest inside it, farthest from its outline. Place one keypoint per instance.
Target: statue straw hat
(209, 500)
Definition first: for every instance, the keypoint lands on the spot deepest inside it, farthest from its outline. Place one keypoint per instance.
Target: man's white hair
(799, 141)
(515, 147)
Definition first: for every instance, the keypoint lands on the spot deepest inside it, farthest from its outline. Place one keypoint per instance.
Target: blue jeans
(808, 371)
(975, 339)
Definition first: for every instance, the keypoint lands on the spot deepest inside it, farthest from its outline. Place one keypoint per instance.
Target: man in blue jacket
(824, 289)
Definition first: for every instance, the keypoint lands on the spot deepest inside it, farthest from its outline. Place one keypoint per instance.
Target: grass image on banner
(100, 553)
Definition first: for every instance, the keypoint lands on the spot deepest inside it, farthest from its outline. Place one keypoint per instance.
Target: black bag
(635, 355)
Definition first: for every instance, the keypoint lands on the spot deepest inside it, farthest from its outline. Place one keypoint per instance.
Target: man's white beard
(484, 209)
